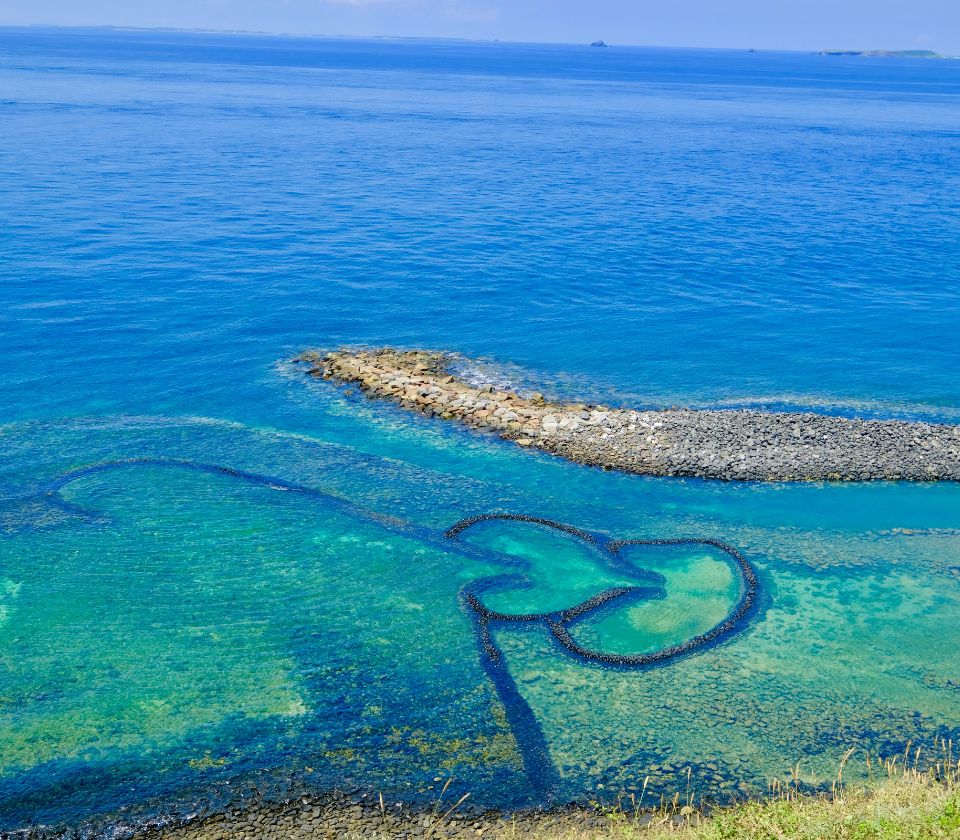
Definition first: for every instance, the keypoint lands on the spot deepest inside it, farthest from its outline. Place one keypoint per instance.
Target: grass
(898, 801)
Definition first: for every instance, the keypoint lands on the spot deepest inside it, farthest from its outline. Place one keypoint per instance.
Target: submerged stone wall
(728, 445)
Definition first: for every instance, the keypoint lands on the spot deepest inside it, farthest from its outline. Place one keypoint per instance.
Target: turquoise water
(181, 214)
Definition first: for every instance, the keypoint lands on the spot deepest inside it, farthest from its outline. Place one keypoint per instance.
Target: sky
(761, 24)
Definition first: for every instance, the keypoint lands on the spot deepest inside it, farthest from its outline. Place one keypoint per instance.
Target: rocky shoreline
(341, 815)
(338, 816)
(729, 445)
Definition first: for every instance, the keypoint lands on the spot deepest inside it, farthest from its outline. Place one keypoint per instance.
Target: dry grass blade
(438, 822)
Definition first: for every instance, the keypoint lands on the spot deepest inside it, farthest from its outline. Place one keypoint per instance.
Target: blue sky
(771, 24)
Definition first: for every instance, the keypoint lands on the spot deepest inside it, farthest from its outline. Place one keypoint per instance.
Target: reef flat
(730, 445)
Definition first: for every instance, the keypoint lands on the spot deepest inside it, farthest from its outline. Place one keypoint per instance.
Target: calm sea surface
(180, 214)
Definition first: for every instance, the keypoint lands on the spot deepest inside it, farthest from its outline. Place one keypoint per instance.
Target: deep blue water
(180, 214)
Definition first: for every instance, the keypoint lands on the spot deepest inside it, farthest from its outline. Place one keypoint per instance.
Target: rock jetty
(730, 445)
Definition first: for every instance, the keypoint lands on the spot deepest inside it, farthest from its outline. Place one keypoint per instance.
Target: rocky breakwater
(727, 445)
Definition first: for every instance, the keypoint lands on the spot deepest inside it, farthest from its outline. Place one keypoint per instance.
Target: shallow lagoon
(202, 630)
(180, 222)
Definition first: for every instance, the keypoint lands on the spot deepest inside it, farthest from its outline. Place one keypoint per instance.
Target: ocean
(182, 213)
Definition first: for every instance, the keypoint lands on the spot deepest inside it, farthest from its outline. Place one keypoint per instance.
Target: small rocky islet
(729, 445)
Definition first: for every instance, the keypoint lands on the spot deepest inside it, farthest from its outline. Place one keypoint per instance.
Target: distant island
(885, 53)
(597, 44)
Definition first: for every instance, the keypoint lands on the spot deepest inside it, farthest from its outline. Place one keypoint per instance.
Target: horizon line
(455, 39)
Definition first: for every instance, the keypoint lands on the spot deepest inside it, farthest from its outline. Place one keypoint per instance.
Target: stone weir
(720, 444)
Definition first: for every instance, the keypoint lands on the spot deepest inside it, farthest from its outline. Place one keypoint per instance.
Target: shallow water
(181, 214)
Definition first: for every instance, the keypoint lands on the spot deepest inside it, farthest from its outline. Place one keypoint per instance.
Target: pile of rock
(728, 445)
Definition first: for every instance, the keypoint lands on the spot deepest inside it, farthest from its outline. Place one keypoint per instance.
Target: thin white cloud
(469, 13)
(463, 11)
(367, 2)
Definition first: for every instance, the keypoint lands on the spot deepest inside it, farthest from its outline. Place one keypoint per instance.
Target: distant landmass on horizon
(886, 53)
